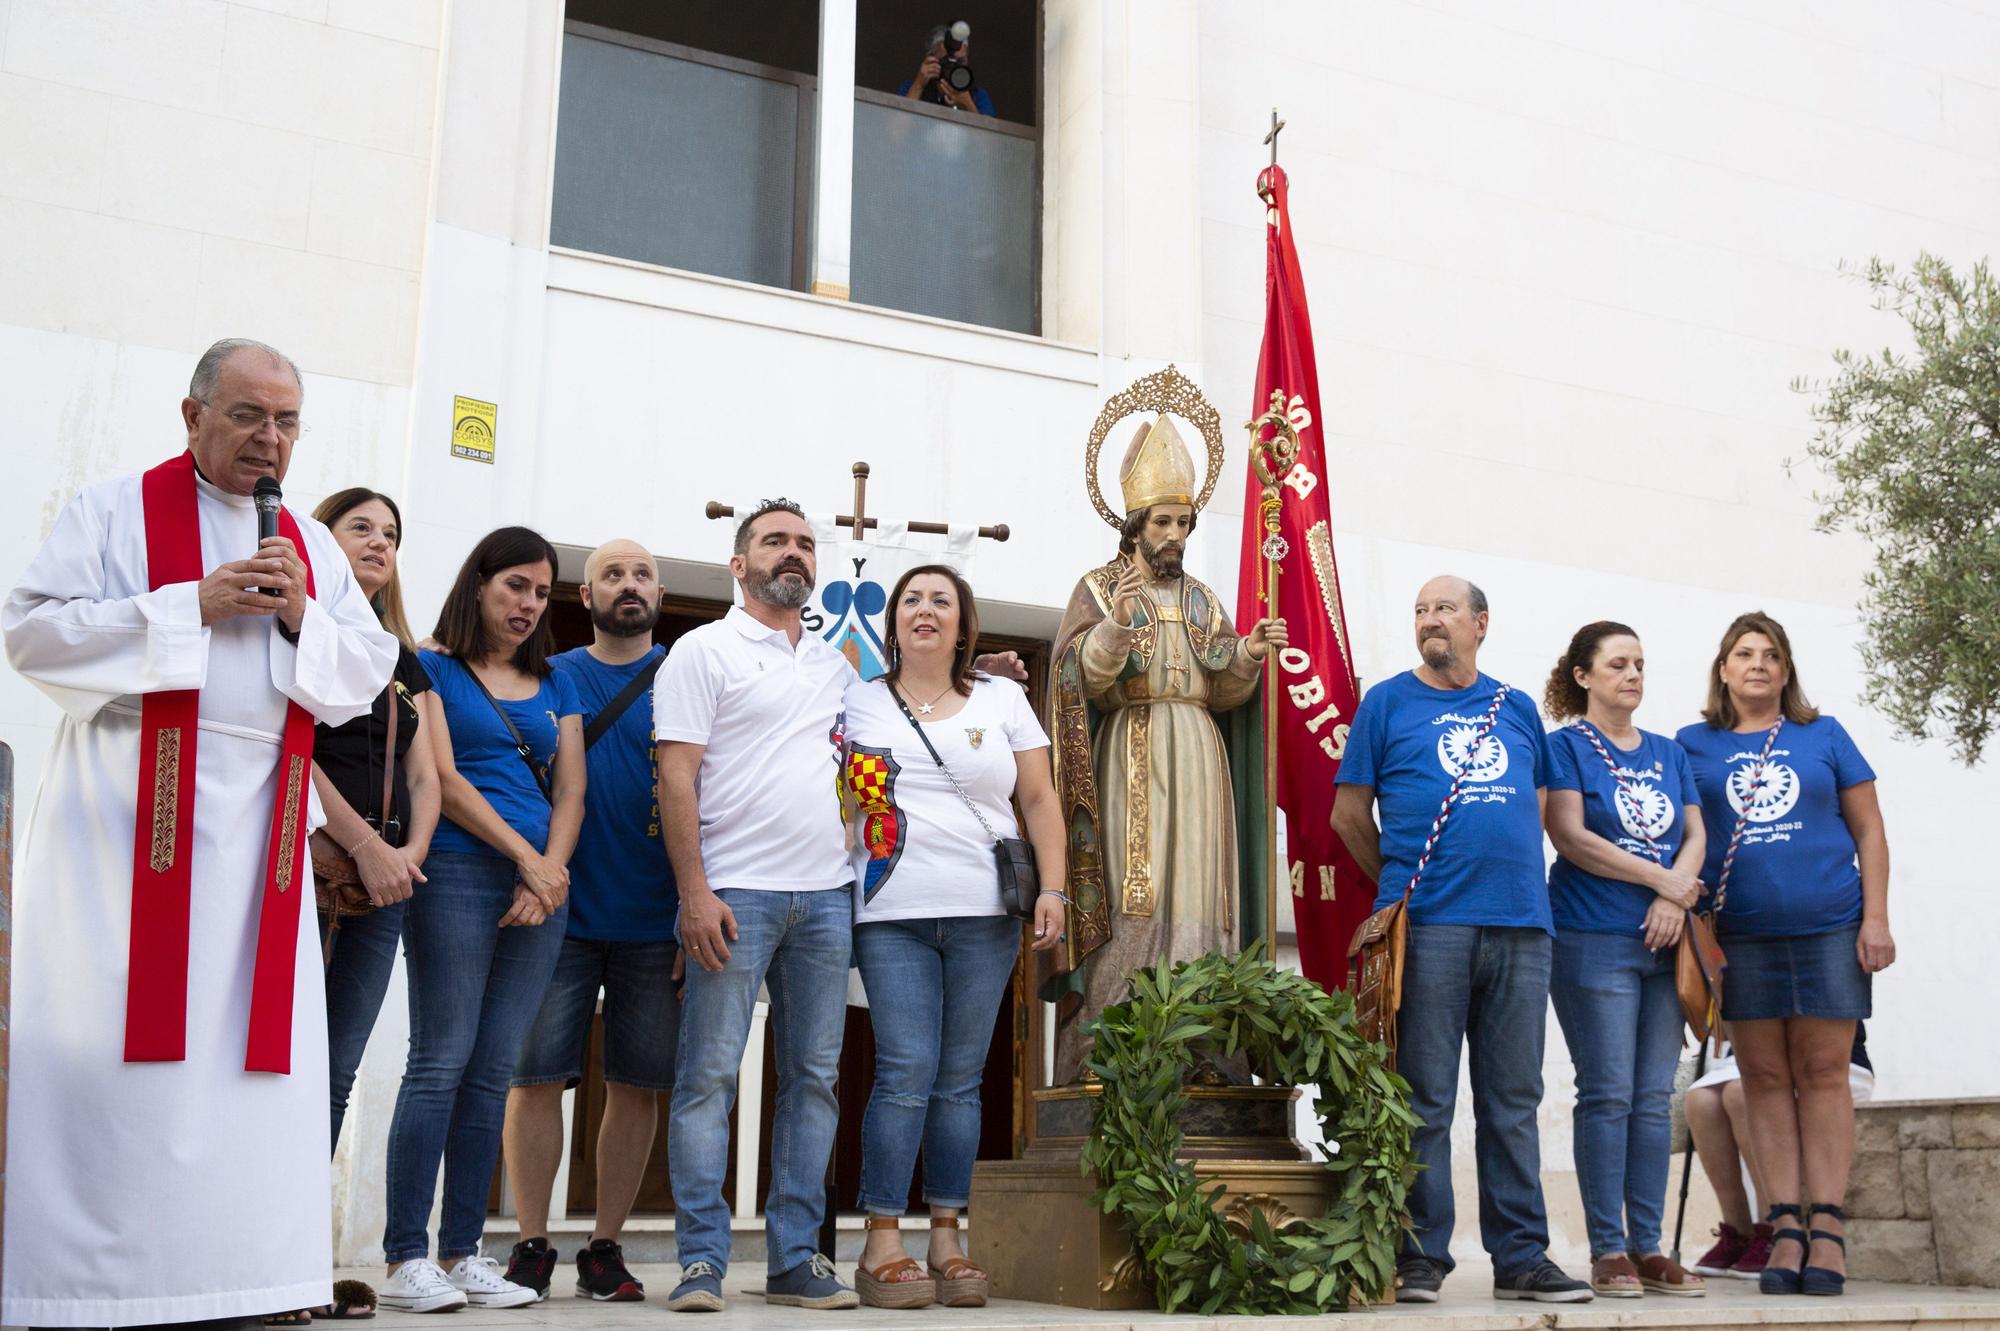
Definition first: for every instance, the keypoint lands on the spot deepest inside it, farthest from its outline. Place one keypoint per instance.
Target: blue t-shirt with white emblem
(485, 755)
(1659, 786)
(1409, 742)
(1795, 872)
(621, 886)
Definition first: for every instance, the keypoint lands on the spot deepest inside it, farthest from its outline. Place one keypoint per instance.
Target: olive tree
(1910, 439)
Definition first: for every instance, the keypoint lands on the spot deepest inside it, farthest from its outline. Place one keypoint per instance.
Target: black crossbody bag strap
(1013, 857)
(520, 745)
(929, 748)
(628, 695)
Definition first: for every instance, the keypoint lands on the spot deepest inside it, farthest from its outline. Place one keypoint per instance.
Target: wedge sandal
(1660, 1274)
(961, 1282)
(897, 1284)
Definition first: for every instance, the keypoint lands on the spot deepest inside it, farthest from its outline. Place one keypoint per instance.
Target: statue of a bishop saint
(1147, 666)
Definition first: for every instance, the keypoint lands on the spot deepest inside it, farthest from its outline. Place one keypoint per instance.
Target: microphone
(267, 497)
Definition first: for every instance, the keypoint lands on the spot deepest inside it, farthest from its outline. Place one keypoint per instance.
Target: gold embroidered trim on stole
(288, 833)
(1138, 893)
(166, 797)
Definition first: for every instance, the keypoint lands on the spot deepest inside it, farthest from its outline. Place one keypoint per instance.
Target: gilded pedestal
(1036, 1231)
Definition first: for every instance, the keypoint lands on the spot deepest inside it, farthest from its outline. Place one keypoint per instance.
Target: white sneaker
(420, 1287)
(478, 1278)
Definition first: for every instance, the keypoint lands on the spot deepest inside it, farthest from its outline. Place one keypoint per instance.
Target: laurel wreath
(1297, 1034)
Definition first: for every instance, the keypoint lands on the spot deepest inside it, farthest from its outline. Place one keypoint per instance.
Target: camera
(953, 72)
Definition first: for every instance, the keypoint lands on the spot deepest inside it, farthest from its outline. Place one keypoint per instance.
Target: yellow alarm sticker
(473, 429)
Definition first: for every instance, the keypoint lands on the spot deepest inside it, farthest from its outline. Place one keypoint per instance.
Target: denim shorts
(1817, 975)
(642, 1016)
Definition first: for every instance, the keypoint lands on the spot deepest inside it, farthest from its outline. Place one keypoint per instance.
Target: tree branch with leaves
(1910, 440)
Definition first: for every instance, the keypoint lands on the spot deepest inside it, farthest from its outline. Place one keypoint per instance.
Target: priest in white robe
(166, 1131)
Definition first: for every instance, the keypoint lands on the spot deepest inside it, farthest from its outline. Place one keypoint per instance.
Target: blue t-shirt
(1795, 872)
(485, 755)
(1408, 742)
(621, 887)
(1661, 786)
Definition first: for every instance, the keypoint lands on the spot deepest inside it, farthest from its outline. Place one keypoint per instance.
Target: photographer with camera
(945, 76)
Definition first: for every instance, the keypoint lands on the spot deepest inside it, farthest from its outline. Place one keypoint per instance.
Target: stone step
(1466, 1306)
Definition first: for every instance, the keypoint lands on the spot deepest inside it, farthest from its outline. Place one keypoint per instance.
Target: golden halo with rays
(1165, 390)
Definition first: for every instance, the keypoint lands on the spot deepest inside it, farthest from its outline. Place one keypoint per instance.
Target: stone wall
(1923, 1202)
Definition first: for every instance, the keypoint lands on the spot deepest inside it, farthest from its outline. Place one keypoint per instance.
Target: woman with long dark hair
(1627, 827)
(483, 936)
(1798, 854)
(936, 754)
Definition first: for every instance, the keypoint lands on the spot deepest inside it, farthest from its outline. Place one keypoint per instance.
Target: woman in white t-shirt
(935, 949)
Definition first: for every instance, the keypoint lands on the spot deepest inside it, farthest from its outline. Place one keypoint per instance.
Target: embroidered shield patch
(871, 776)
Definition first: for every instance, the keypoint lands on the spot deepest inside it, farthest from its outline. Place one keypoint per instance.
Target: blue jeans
(357, 976)
(1622, 1018)
(1486, 988)
(642, 1015)
(799, 944)
(933, 987)
(474, 990)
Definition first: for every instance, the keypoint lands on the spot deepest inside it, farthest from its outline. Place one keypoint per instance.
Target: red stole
(163, 843)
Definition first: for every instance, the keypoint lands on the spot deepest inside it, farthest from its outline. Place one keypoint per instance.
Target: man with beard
(747, 719)
(1145, 655)
(620, 940)
(1477, 966)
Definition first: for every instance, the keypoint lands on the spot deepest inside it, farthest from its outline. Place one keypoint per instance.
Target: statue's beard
(1164, 559)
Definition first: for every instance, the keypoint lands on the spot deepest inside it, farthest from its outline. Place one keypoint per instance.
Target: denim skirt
(1817, 975)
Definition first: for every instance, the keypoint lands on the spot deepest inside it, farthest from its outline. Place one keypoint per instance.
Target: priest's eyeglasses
(250, 420)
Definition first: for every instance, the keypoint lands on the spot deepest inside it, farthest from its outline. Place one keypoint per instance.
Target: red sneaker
(1754, 1258)
(1730, 1245)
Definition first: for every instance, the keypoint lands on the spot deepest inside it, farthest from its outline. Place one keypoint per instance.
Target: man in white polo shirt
(747, 717)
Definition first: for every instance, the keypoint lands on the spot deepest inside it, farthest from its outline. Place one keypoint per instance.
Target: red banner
(1317, 694)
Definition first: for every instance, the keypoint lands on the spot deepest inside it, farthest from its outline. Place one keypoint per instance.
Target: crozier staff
(1800, 860)
(169, 1070)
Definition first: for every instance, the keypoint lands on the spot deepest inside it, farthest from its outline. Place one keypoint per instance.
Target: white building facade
(1564, 258)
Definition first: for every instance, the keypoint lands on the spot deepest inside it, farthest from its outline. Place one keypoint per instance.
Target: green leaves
(1910, 440)
(1287, 1025)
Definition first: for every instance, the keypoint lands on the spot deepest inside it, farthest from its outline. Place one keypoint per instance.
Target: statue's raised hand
(1128, 593)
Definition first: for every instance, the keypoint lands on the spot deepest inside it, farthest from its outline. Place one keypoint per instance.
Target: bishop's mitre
(1158, 469)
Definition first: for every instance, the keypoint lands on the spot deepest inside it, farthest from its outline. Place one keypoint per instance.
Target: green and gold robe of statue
(1147, 723)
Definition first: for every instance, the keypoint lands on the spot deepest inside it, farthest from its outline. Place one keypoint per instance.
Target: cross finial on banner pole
(1272, 137)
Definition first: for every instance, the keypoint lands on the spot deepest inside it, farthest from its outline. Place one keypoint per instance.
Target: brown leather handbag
(1375, 972)
(337, 887)
(1699, 964)
(1375, 954)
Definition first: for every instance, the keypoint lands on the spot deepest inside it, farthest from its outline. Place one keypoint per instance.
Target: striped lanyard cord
(1758, 779)
(1486, 725)
(1625, 797)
